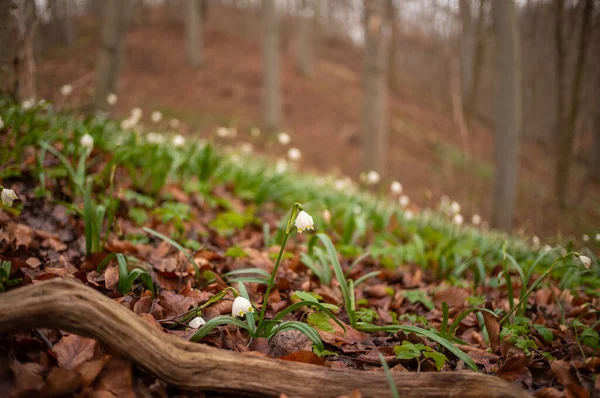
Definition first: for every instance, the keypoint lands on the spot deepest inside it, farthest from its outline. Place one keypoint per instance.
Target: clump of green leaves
(5, 280)
(127, 277)
(409, 350)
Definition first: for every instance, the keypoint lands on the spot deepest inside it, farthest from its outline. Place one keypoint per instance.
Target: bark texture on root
(69, 305)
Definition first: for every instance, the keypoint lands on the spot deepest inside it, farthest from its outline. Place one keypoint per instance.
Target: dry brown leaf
(289, 341)
(61, 382)
(111, 277)
(479, 356)
(116, 377)
(549, 392)
(455, 297)
(305, 357)
(28, 377)
(576, 391)
(90, 370)
(514, 368)
(33, 262)
(562, 371)
(175, 304)
(73, 350)
(493, 328)
(339, 337)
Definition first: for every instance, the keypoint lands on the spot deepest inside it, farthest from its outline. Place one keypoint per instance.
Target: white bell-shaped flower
(156, 116)
(458, 219)
(585, 238)
(404, 201)
(87, 141)
(586, 261)
(197, 322)
(178, 141)
(8, 196)
(455, 208)
(1, 122)
(294, 154)
(304, 221)
(476, 219)
(66, 90)
(396, 188)
(283, 138)
(373, 177)
(174, 123)
(111, 99)
(597, 235)
(241, 306)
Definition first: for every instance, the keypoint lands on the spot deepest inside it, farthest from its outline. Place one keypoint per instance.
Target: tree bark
(508, 117)
(304, 60)
(471, 100)
(24, 16)
(375, 123)
(110, 56)
(272, 107)
(67, 304)
(566, 129)
(393, 72)
(193, 32)
(467, 47)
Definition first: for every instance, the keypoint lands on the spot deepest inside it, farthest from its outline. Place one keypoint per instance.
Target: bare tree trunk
(110, 56)
(305, 35)
(508, 118)
(272, 108)
(24, 26)
(467, 44)
(471, 100)
(375, 124)
(393, 47)
(193, 32)
(566, 130)
(69, 22)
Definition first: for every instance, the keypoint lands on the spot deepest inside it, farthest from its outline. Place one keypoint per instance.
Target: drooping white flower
(283, 138)
(547, 248)
(66, 90)
(111, 99)
(155, 138)
(327, 216)
(241, 306)
(246, 148)
(586, 261)
(585, 238)
(28, 104)
(396, 188)
(281, 166)
(87, 141)
(455, 208)
(304, 221)
(458, 219)
(597, 235)
(372, 177)
(223, 132)
(408, 215)
(174, 123)
(178, 141)
(197, 322)
(476, 219)
(137, 113)
(8, 196)
(156, 116)
(255, 132)
(294, 154)
(1, 122)
(535, 240)
(404, 201)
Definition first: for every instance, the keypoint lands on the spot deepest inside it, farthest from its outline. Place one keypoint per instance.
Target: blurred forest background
(492, 102)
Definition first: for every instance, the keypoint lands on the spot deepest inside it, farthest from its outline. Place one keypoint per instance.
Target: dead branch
(69, 305)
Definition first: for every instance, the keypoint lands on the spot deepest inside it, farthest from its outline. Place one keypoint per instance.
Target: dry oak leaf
(116, 377)
(493, 328)
(60, 382)
(305, 357)
(111, 277)
(90, 370)
(175, 304)
(73, 350)
(339, 337)
(28, 377)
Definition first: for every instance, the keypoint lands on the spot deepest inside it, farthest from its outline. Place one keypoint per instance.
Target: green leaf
(302, 327)
(419, 296)
(408, 350)
(320, 320)
(322, 353)
(388, 374)
(235, 252)
(439, 358)
(218, 321)
(544, 332)
(306, 296)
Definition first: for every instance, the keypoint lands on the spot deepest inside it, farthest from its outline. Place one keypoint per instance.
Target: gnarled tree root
(70, 305)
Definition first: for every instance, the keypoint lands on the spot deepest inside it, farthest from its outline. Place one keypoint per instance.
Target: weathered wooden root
(69, 305)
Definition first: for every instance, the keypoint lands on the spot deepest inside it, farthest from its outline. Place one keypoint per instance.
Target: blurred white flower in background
(372, 177)
(87, 141)
(547, 248)
(111, 99)
(197, 322)
(585, 238)
(304, 221)
(444, 203)
(155, 138)
(281, 166)
(476, 219)
(178, 141)
(455, 208)
(327, 216)
(597, 235)
(28, 104)
(408, 215)
(404, 201)
(241, 306)
(66, 90)
(294, 154)
(174, 123)
(8, 196)
(1, 122)
(535, 240)
(458, 219)
(156, 116)
(137, 113)
(255, 132)
(246, 148)
(396, 188)
(283, 138)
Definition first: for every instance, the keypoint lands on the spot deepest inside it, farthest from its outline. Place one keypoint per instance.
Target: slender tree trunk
(467, 44)
(193, 32)
(508, 118)
(24, 17)
(375, 134)
(272, 108)
(566, 131)
(305, 36)
(471, 100)
(69, 22)
(110, 56)
(394, 82)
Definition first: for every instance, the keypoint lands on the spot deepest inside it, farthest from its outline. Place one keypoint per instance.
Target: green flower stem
(295, 210)
(535, 285)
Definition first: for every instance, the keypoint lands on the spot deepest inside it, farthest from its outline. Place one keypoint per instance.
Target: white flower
(409, 215)
(241, 306)
(294, 154)
(455, 208)
(372, 177)
(304, 221)
(246, 148)
(174, 123)
(586, 261)
(156, 116)
(28, 104)
(547, 248)
(585, 238)
(458, 219)
(281, 166)
(327, 216)
(223, 132)
(197, 322)
(1, 122)
(178, 141)
(87, 141)
(8, 196)
(444, 202)
(66, 90)
(404, 201)
(255, 132)
(155, 138)
(283, 138)
(128, 123)
(597, 235)
(535, 240)
(476, 219)
(111, 99)
(136, 113)
(396, 188)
